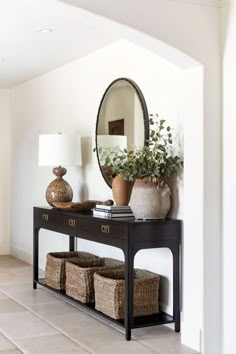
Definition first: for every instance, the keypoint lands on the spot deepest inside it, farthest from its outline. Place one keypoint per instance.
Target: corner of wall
(191, 336)
(22, 255)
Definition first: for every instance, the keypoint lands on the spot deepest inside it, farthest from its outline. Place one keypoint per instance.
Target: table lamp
(59, 150)
(112, 142)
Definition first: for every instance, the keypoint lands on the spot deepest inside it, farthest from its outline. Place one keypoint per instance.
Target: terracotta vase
(121, 190)
(149, 200)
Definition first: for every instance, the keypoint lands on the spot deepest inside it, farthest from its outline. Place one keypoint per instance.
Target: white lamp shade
(112, 141)
(59, 150)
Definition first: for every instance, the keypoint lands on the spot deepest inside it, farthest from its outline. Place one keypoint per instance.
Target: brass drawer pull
(45, 217)
(105, 229)
(71, 222)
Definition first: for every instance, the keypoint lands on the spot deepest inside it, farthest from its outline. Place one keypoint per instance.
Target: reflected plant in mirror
(155, 160)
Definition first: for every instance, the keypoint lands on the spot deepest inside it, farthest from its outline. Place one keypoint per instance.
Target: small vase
(149, 200)
(121, 190)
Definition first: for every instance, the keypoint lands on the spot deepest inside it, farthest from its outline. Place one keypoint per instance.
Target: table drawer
(45, 217)
(103, 228)
(76, 225)
(68, 222)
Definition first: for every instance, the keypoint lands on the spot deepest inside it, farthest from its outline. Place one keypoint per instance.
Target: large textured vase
(121, 190)
(149, 201)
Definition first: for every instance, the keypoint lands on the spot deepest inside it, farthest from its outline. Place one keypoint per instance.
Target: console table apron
(130, 236)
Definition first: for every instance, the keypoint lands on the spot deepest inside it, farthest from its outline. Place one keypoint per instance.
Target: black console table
(130, 236)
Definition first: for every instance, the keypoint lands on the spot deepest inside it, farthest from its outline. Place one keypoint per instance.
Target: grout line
(80, 308)
(66, 334)
(46, 321)
(10, 349)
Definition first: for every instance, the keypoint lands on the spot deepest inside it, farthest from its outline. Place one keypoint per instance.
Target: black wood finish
(130, 235)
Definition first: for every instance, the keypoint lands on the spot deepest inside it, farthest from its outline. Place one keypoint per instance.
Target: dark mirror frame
(144, 109)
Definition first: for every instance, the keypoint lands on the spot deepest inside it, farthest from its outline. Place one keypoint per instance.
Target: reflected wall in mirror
(122, 121)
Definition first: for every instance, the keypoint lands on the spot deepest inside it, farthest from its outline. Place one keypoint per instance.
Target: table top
(89, 215)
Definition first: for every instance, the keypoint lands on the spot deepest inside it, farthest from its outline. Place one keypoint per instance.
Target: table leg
(71, 243)
(129, 293)
(176, 289)
(35, 258)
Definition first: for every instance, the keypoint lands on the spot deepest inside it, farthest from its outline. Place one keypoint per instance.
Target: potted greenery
(150, 167)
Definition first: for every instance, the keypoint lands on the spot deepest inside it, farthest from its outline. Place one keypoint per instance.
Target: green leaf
(154, 159)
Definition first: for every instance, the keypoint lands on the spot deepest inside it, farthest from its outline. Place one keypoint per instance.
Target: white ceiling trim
(212, 3)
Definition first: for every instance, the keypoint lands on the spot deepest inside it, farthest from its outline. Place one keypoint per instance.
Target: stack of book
(112, 211)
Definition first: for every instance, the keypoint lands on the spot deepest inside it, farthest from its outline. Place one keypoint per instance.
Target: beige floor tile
(25, 271)
(13, 288)
(102, 339)
(167, 344)
(7, 276)
(20, 277)
(5, 344)
(73, 321)
(30, 297)
(10, 261)
(3, 295)
(43, 331)
(155, 331)
(22, 325)
(8, 306)
(17, 274)
(16, 267)
(96, 336)
(53, 309)
(13, 351)
(54, 344)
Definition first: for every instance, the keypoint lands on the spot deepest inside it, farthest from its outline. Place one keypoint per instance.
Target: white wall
(192, 319)
(192, 27)
(5, 177)
(229, 170)
(175, 23)
(67, 100)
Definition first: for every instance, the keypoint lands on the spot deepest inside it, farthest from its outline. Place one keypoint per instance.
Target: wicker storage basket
(79, 277)
(109, 293)
(55, 267)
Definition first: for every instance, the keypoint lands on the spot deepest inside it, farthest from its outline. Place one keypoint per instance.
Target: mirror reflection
(122, 121)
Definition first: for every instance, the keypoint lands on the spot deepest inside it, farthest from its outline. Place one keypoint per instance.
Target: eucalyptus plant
(156, 159)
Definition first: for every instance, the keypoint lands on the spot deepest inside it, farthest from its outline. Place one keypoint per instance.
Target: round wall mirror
(122, 121)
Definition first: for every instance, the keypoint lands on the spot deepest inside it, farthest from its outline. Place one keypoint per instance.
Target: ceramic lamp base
(59, 190)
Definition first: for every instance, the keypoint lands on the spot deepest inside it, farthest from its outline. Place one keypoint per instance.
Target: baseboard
(191, 336)
(22, 255)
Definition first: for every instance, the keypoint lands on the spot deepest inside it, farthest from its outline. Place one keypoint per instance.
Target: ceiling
(95, 5)
(76, 31)
(25, 52)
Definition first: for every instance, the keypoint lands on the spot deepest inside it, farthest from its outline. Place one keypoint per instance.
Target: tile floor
(38, 322)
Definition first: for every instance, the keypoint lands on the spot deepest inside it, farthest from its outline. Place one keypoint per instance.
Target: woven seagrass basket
(79, 276)
(110, 287)
(55, 266)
